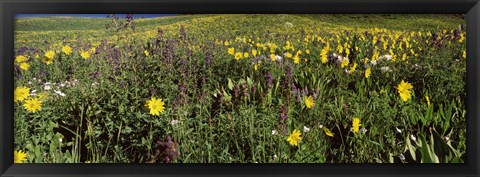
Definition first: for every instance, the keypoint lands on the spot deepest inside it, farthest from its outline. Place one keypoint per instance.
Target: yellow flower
(33, 105)
(238, 55)
(21, 93)
(288, 55)
(356, 124)
(295, 138)
(155, 105)
(404, 56)
(309, 102)
(85, 54)
(368, 72)
(255, 66)
(428, 100)
(404, 90)
(19, 156)
(345, 63)
(50, 54)
(47, 60)
(226, 43)
(352, 69)
(231, 51)
(20, 59)
(307, 51)
(24, 66)
(296, 59)
(254, 53)
(146, 53)
(464, 55)
(323, 54)
(245, 55)
(328, 132)
(67, 50)
(272, 57)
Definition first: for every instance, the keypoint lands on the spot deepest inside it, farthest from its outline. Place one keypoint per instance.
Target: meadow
(241, 88)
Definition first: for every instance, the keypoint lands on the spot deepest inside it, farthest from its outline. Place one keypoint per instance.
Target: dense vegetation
(241, 89)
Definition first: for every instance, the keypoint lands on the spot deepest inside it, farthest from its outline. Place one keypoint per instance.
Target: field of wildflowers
(241, 89)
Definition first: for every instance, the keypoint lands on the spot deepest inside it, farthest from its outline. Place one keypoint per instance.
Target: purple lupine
(208, 59)
(41, 74)
(236, 91)
(283, 114)
(166, 150)
(269, 79)
(183, 34)
(22, 50)
(246, 93)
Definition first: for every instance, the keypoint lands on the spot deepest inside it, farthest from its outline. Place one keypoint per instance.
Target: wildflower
(272, 57)
(231, 51)
(174, 122)
(47, 60)
(67, 50)
(294, 138)
(353, 68)
(50, 54)
(296, 59)
(288, 55)
(288, 24)
(309, 102)
(274, 132)
(363, 130)
(24, 66)
(464, 55)
(19, 156)
(238, 55)
(307, 51)
(328, 132)
(85, 54)
(254, 53)
(155, 105)
(323, 55)
(146, 53)
(20, 59)
(404, 90)
(245, 55)
(255, 66)
(33, 105)
(385, 68)
(368, 72)
(345, 63)
(20, 93)
(306, 129)
(428, 100)
(356, 124)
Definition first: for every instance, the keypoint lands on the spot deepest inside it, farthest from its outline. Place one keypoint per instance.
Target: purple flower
(283, 114)
(41, 74)
(269, 79)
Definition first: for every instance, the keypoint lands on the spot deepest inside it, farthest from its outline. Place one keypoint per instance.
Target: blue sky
(92, 15)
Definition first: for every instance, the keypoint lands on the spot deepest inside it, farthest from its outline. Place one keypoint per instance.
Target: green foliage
(223, 109)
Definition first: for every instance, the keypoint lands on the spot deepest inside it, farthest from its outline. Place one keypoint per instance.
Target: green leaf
(230, 84)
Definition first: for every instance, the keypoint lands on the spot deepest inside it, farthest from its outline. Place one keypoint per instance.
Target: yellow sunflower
(155, 105)
(295, 138)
